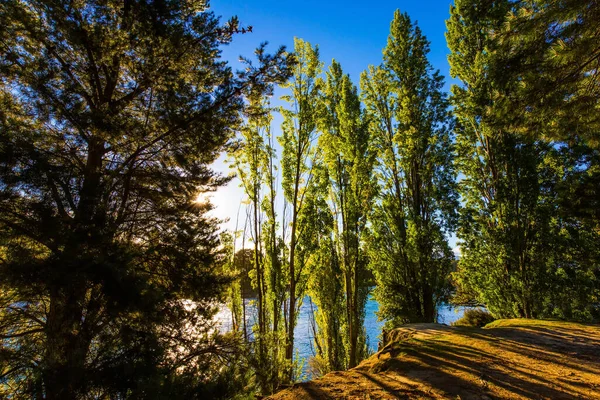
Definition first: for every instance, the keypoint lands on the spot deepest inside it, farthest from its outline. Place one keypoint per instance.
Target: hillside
(508, 359)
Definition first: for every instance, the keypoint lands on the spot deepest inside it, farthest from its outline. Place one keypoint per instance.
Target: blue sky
(354, 33)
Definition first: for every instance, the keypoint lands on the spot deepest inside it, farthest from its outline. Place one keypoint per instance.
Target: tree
(349, 158)
(417, 200)
(522, 245)
(298, 152)
(274, 246)
(501, 187)
(553, 49)
(249, 160)
(111, 114)
(254, 162)
(234, 267)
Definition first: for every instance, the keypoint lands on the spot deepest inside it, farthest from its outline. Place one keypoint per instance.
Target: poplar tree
(416, 206)
(275, 275)
(254, 161)
(111, 271)
(326, 290)
(249, 161)
(298, 142)
(349, 159)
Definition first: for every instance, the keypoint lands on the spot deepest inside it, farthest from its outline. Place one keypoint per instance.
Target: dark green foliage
(111, 113)
(553, 48)
(529, 247)
(475, 317)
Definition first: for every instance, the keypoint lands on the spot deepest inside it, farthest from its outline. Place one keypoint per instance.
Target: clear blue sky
(354, 33)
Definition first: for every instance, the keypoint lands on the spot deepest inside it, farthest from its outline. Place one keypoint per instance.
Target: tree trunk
(289, 351)
(428, 306)
(66, 348)
(351, 322)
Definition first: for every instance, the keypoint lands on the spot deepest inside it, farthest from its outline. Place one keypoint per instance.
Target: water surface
(303, 343)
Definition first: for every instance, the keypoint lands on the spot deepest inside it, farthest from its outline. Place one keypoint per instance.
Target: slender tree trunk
(350, 317)
(245, 275)
(351, 304)
(289, 352)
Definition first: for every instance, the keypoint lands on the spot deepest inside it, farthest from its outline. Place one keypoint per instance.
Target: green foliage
(111, 113)
(411, 128)
(551, 49)
(348, 157)
(254, 163)
(475, 317)
(519, 234)
(298, 160)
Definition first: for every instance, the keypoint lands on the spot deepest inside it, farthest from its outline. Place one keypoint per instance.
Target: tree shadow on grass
(471, 363)
(536, 344)
(418, 357)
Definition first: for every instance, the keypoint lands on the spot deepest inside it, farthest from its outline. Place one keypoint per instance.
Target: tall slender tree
(349, 159)
(254, 160)
(298, 142)
(417, 201)
(249, 161)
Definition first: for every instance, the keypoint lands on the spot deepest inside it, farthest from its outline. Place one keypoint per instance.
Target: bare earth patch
(508, 359)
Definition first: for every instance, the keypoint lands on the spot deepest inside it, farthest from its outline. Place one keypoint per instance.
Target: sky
(351, 32)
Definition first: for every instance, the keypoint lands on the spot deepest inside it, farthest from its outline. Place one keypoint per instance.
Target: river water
(303, 343)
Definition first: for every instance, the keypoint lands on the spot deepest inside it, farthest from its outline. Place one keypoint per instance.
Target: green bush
(475, 317)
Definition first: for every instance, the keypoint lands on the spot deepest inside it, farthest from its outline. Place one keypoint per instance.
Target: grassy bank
(507, 359)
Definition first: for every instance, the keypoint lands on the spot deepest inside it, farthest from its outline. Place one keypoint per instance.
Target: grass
(508, 359)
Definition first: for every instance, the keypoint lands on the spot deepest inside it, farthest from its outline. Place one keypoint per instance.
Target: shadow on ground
(509, 359)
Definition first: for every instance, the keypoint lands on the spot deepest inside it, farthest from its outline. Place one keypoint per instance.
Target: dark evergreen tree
(111, 113)
(552, 48)
(526, 250)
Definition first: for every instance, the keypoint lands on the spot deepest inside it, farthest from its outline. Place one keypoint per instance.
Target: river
(303, 343)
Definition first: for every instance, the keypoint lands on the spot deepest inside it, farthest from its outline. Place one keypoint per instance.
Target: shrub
(475, 317)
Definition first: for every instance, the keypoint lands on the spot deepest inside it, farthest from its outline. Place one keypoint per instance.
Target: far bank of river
(303, 343)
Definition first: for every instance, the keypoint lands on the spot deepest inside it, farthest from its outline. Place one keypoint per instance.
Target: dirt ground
(508, 359)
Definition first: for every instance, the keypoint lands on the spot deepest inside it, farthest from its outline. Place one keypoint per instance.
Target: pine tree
(111, 115)
(553, 49)
(500, 188)
(411, 127)
(519, 236)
